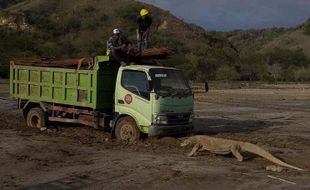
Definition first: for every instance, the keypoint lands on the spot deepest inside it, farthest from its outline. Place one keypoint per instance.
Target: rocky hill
(71, 28)
(265, 40)
(78, 28)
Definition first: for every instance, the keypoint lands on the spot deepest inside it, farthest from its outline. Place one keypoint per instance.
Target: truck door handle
(121, 102)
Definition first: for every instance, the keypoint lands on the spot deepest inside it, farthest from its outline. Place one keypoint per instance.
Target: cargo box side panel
(54, 85)
(87, 88)
(106, 85)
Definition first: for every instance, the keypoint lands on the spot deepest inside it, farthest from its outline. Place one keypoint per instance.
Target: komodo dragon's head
(186, 142)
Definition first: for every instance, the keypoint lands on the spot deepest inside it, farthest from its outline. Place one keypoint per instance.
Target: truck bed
(92, 88)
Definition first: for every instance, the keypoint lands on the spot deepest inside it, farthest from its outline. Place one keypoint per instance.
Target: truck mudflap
(166, 130)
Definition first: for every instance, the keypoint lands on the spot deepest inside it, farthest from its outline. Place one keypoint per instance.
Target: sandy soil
(72, 157)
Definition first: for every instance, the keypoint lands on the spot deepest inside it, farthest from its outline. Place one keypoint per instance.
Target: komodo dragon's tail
(248, 147)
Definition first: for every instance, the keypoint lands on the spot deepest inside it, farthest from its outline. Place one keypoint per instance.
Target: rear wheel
(126, 130)
(36, 118)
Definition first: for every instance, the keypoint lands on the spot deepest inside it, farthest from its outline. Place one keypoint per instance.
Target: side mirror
(150, 86)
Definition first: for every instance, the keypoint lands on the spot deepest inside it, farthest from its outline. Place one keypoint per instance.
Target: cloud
(238, 14)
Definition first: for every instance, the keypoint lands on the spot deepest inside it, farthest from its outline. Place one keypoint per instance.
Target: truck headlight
(160, 119)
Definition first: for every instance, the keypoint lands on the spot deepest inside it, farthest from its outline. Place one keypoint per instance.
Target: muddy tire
(126, 130)
(36, 118)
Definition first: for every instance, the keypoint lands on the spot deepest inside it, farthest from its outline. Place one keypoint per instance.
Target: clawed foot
(190, 155)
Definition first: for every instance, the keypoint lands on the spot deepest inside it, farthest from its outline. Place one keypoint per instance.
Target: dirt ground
(276, 117)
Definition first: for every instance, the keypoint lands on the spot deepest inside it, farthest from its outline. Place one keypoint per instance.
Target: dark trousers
(142, 38)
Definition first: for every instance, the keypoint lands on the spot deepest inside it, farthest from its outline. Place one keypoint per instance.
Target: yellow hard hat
(144, 12)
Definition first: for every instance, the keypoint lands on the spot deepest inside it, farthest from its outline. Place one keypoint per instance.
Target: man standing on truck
(144, 22)
(118, 46)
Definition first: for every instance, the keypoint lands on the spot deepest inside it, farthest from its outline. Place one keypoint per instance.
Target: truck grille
(177, 119)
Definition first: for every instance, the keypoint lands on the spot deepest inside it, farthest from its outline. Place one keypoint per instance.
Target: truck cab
(159, 101)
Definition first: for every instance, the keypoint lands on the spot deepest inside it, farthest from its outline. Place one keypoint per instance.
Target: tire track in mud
(258, 106)
(7, 103)
(77, 181)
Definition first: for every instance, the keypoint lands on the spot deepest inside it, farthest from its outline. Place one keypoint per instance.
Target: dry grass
(292, 40)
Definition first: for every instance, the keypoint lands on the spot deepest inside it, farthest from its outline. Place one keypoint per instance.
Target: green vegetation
(59, 29)
(227, 73)
(6, 3)
(302, 74)
(277, 65)
(307, 28)
(16, 44)
(253, 40)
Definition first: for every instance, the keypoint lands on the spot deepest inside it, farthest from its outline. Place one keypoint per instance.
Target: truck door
(133, 98)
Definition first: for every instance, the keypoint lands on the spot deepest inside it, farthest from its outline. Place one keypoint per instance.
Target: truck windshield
(170, 82)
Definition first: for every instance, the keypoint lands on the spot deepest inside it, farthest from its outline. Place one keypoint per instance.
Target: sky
(227, 15)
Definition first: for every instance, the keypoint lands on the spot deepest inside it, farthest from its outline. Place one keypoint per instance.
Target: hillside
(79, 28)
(295, 39)
(271, 54)
(265, 40)
(75, 28)
(6, 3)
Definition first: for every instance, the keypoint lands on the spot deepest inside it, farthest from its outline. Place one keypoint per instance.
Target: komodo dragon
(225, 146)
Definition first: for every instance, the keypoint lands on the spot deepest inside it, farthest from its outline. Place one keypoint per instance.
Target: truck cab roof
(145, 67)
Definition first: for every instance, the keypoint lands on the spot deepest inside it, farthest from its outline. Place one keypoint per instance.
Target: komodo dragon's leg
(194, 150)
(235, 150)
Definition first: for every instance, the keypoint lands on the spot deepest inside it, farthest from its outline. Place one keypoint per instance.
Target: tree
(227, 73)
(306, 27)
(275, 71)
(302, 74)
(252, 67)
(6, 3)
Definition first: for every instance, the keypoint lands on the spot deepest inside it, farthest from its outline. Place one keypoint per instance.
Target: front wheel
(126, 130)
(36, 118)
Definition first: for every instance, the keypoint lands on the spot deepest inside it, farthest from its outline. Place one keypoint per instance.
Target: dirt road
(274, 117)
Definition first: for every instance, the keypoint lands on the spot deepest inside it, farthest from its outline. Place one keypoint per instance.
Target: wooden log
(66, 63)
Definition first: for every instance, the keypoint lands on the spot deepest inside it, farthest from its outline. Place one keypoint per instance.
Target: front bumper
(166, 130)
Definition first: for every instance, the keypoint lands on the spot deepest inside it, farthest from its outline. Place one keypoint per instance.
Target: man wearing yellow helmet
(144, 21)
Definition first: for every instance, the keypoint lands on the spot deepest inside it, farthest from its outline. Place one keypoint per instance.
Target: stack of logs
(87, 63)
(154, 53)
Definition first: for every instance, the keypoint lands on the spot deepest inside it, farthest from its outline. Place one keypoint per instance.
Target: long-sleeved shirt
(144, 24)
(116, 42)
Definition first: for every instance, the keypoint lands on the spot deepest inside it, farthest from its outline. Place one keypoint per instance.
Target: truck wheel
(127, 130)
(36, 118)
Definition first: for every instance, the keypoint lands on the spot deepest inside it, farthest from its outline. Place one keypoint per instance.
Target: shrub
(90, 24)
(307, 28)
(288, 73)
(4, 68)
(302, 74)
(275, 71)
(227, 73)
(4, 71)
(128, 13)
(46, 27)
(6, 3)
(71, 24)
(251, 67)
(286, 57)
(89, 9)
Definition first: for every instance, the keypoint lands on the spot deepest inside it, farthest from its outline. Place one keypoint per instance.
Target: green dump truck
(128, 100)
